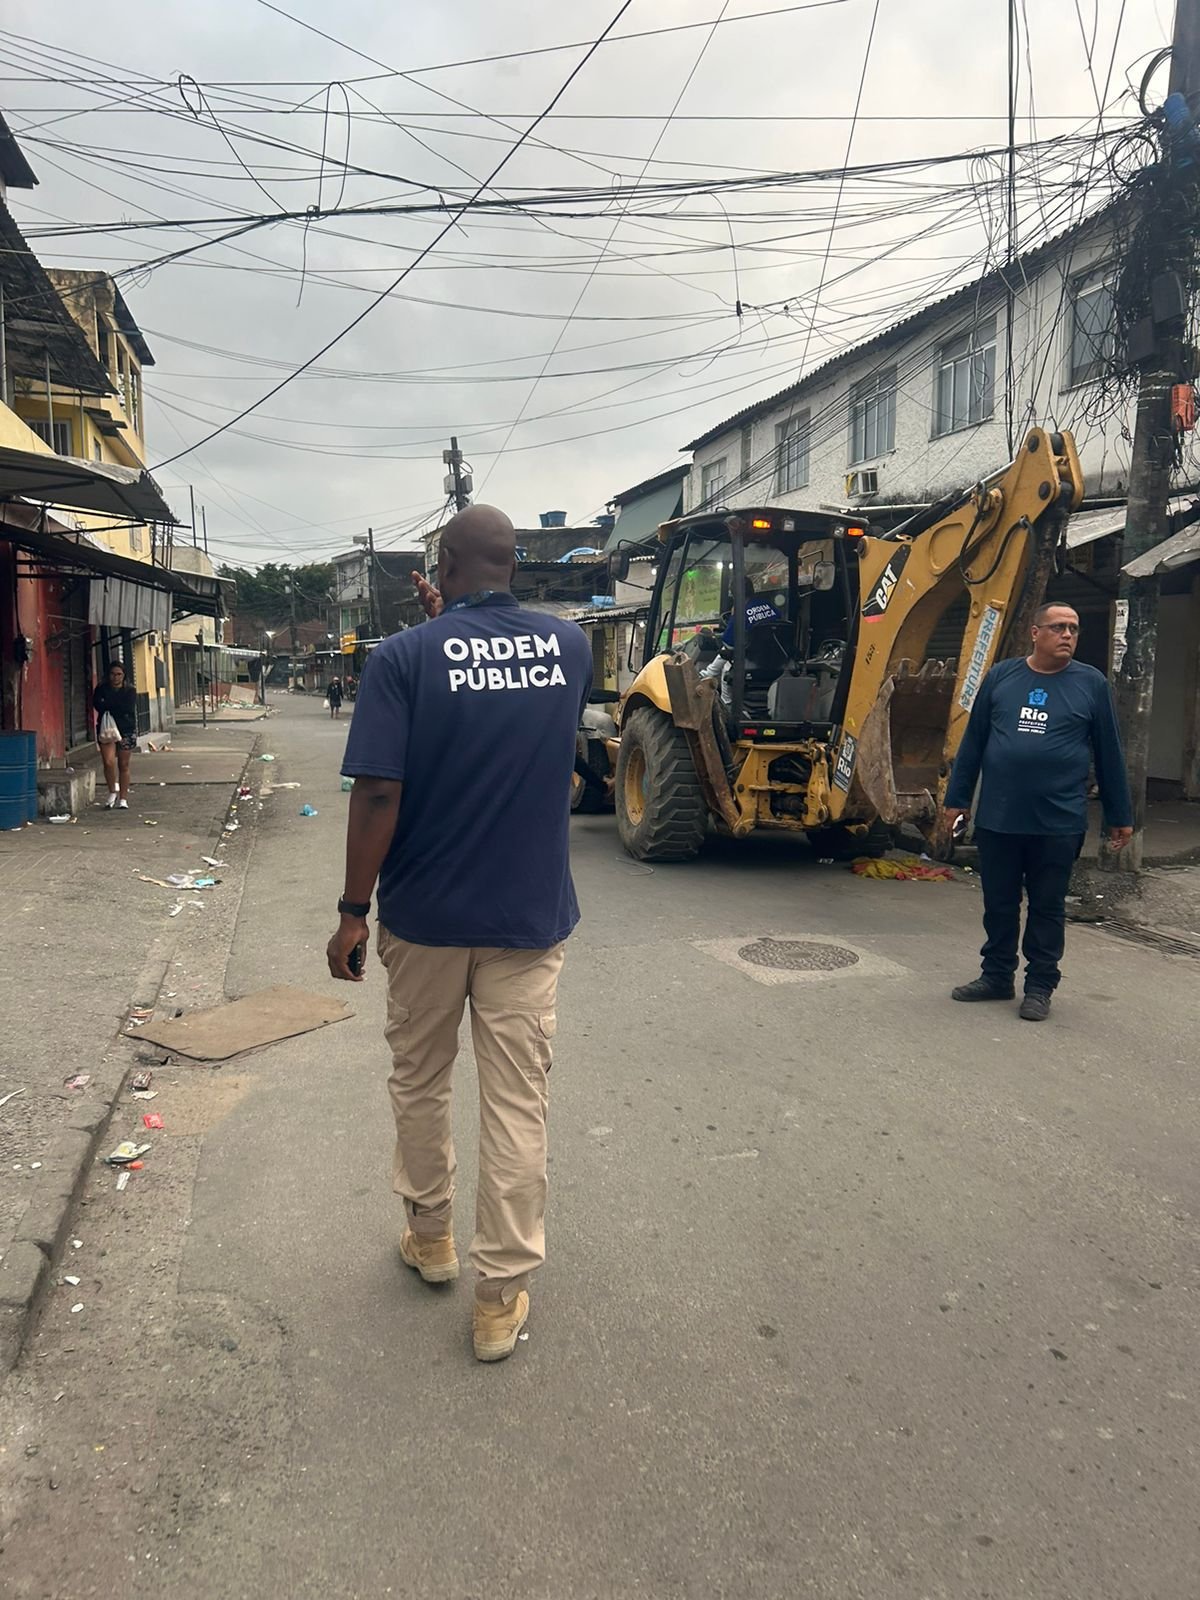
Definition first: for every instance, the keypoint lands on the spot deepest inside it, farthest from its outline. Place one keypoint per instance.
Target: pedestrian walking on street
(461, 751)
(1037, 724)
(115, 704)
(334, 696)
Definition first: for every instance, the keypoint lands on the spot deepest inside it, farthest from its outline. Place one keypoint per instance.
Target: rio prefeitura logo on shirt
(504, 663)
(1034, 717)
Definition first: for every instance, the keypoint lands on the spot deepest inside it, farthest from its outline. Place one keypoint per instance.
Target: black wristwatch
(354, 908)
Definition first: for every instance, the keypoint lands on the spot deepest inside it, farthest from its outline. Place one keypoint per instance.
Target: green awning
(639, 521)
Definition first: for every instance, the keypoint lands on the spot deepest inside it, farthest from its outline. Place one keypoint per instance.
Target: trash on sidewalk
(347, 785)
(176, 909)
(270, 788)
(78, 1306)
(149, 822)
(69, 1278)
(77, 1080)
(902, 868)
(125, 1153)
(11, 1095)
(152, 1119)
(137, 1016)
(246, 1024)
(76, 1244)
(266, 758)
(123, 1178)
(143, 1094)
(66, 818)
(140, 1082)
(309, 811)
(211, 861)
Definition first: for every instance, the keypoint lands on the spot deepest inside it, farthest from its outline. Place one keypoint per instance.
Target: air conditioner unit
(864, 481)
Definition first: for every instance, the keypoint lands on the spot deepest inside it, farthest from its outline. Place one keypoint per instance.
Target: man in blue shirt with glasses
(1037, 725)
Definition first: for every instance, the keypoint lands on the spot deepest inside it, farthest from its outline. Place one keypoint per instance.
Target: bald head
(478, 550)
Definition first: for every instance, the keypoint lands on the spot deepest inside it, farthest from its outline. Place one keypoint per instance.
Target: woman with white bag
(115, 705)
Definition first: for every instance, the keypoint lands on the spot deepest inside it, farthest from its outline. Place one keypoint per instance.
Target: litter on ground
(247, 1024)
(903, 867)
(125, 1153)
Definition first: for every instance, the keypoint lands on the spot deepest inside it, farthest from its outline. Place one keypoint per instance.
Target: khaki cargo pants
(512, 997)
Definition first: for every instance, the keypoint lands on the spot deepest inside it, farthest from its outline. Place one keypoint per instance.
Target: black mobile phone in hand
(356, 959)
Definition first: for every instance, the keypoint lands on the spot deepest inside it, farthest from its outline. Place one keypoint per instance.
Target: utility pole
(368, 539)
(195, 533)
(204, 525)
(289, 586)
(457, 483)
(1171, 207)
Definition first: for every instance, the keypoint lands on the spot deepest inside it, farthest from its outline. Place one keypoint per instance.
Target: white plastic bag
(108, 732)
(324, 705)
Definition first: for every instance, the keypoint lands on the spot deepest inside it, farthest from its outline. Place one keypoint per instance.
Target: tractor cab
(766, 603)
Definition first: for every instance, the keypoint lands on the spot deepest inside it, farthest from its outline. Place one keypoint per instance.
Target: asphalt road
(851, 1291)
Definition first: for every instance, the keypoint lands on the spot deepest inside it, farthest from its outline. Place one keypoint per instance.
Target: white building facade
(920, 410)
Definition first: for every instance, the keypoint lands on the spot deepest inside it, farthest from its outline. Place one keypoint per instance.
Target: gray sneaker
(1036, 1005)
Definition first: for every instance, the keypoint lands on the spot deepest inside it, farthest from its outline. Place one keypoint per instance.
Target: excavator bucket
(900, 750)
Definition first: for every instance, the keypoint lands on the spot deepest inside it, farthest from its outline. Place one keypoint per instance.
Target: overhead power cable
(437, 239)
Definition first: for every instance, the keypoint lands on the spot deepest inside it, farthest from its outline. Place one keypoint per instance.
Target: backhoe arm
(992, 550)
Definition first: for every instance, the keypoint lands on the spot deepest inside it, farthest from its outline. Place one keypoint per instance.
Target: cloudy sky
(575, 346)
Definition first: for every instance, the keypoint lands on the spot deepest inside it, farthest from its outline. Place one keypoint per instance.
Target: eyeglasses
(1059, 627)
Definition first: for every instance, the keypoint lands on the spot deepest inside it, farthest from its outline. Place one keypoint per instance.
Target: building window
(56, 435)
(1092, 329)
(712, 481)
(791, 453)
(873, 416)
(965, 385)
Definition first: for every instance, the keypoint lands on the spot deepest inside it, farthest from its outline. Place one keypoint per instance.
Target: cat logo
(881, 595)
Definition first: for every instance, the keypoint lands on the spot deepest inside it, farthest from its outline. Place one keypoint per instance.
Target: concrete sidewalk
(88, 940)
(192, 716)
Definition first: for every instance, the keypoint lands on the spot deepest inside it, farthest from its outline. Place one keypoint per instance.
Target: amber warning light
(760, 524)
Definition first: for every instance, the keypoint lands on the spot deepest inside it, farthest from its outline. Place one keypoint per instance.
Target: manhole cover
(795, 955)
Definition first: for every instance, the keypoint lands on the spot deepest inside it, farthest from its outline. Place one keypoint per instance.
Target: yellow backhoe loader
(800, 672)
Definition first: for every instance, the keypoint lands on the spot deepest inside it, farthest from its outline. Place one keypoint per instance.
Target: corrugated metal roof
(1180, 550)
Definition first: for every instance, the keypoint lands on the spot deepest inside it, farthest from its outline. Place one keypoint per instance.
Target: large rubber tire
(842, 845)
(661, 815)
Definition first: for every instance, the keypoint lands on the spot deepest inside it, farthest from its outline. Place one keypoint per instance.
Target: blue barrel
(18, 778)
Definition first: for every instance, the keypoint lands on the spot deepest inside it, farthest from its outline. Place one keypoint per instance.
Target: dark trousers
(1040, 866)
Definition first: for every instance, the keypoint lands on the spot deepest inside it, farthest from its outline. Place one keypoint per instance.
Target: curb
(26, 1268)
(28, 1261)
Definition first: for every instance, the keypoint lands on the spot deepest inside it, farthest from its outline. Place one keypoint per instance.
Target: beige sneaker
(497, 1326)
(435, 1259)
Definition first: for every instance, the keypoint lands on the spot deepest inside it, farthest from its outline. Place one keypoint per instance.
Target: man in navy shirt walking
(1037, 725)
(461, 753)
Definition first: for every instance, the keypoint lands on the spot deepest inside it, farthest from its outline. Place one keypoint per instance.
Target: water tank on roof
(553, 519)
